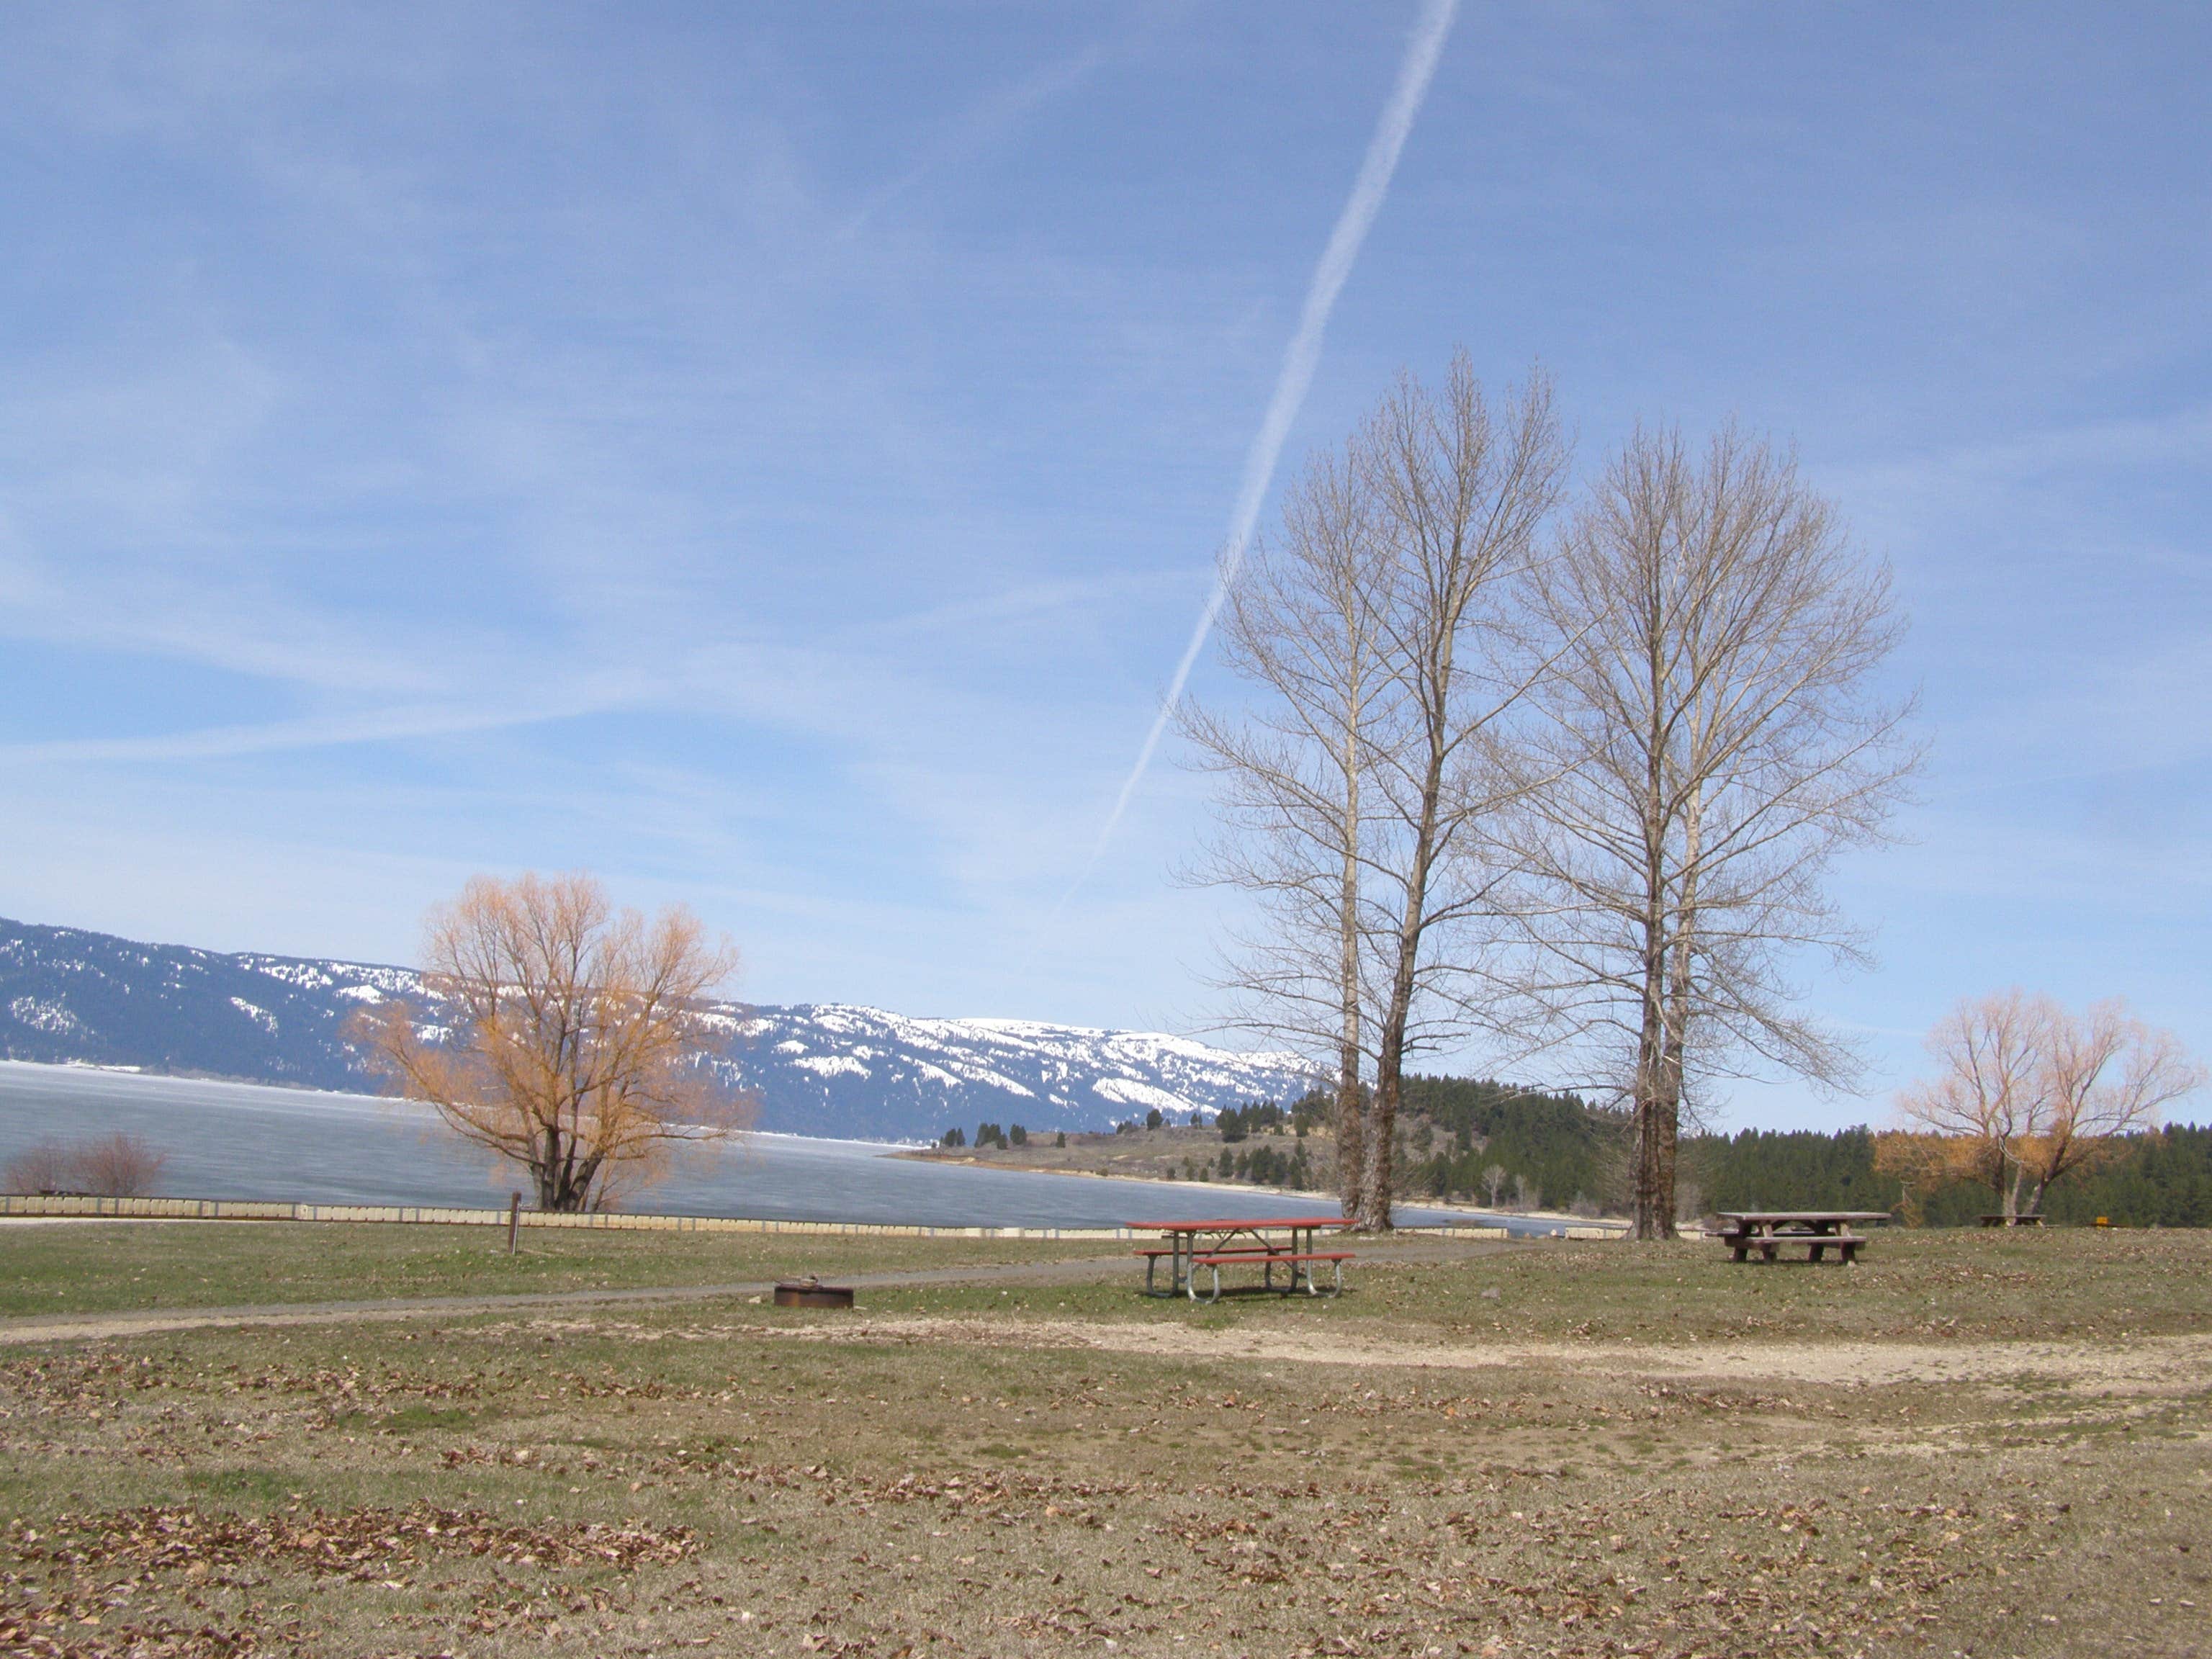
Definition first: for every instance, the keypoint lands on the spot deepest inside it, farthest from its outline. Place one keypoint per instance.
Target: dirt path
(2147, 1364)
(103, 1327)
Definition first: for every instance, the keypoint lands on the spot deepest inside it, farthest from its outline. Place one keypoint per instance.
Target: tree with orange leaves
(561, 1034)
(2027, 1092)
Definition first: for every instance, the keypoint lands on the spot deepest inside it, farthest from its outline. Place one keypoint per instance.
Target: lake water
(242, 1140)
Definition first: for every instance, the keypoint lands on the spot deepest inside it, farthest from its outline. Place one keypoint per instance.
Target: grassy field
(1943, 1286)
(87, 1268)
(1965, 1444)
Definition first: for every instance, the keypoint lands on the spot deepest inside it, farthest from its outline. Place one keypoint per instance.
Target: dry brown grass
(1276, 1480)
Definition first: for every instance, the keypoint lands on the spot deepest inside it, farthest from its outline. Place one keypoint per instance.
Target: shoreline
(1486, 1218)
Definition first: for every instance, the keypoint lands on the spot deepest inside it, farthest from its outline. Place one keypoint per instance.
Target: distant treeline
(1563, 1152)
(2163, 1179)
(1478, 1140)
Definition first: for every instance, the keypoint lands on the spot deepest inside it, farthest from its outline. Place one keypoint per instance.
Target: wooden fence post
(513, 1220)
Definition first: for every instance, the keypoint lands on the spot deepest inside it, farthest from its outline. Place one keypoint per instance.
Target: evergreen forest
(1486, 1142)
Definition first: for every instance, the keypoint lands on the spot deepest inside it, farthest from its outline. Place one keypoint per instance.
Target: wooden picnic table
(1267, 1242)
(1819, 1230)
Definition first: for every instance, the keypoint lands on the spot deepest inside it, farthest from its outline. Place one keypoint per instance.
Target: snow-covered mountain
(845, 1068)
(68, 995)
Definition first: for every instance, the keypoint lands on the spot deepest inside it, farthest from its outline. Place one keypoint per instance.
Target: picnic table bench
(1266, 1243)
(1766, 1231)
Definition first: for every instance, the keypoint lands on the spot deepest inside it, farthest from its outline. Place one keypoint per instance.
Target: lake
(244, 1140)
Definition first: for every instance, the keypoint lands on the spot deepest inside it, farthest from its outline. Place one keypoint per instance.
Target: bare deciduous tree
(1301, 620)
(2025, 1093)
(1713, 739)
(1383, 634)
(568, 1036)
(1465, 493)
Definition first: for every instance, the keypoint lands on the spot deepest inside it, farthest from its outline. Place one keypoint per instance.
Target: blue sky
(774, 456)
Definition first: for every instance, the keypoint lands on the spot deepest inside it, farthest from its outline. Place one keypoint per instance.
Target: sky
(775, 456)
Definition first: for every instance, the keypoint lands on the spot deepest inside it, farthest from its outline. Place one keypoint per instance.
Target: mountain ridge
(73, 995)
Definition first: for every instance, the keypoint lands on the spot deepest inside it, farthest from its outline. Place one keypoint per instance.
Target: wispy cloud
(452, 718)
(1299, 361)
(987, 123)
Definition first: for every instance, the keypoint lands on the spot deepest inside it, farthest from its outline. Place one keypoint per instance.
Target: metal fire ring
(812, 1293)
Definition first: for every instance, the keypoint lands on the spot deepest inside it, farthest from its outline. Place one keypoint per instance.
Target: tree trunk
(1390, 1051)
(1654, 1111)
(1655, 1135)
(1350, 1138)
(1658, 1130)
(1675, 1031)
(548, 1172)
(1351, 1145)
(1375, 1194)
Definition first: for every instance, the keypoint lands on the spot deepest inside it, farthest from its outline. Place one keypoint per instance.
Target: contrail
(1299, 362)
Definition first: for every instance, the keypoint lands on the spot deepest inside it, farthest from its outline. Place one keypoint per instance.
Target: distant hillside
(72, 996)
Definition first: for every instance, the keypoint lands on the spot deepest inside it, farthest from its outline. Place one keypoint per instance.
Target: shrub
(118, 1166)
(114, 1166)
(44, 1168)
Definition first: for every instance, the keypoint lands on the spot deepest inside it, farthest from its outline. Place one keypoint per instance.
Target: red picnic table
(1264, 1242)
